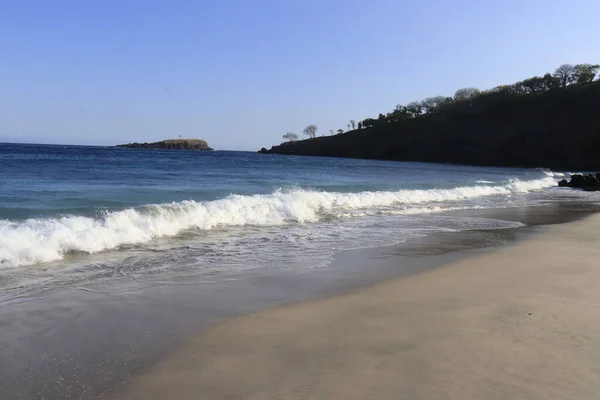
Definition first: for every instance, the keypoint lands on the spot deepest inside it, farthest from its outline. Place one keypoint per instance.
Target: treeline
(549, 121)
(563, 76)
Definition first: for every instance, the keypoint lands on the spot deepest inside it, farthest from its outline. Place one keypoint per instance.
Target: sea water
(73, 215)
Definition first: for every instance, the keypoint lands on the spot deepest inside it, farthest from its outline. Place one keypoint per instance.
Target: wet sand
(520, 322)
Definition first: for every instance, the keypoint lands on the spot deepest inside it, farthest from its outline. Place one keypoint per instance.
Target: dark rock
(579, 181)
(263, 150)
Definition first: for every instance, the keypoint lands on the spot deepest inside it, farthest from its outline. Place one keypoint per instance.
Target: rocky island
(178, 144)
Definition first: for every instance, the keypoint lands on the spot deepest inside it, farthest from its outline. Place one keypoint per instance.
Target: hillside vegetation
(551, 121)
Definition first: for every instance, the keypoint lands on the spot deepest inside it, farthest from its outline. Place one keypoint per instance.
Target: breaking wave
(42, 240)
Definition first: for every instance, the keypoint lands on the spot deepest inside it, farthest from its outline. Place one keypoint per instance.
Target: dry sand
(522, 322)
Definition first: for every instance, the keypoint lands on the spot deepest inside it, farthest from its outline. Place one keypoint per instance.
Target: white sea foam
(43, 240)
(552, 174)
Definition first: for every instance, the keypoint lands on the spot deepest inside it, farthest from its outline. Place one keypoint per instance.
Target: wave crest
(42, 240)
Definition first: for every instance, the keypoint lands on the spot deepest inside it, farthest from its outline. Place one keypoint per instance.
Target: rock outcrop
(579, 181)
(178, 144)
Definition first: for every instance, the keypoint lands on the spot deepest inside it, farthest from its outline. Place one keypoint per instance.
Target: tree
(565, 74)
(414, 108)
(584, 73)
(353, 124)
(310, 131)
(400, 113)
(331, 132)
(369, 123)
(466, 93)
(290, 137)
(535, 84)
(433, 104)
(340, 131)
(446, 101)
(428, 105)
(348, 126)
(511, 90)
(550, 82)
(360, 125)
(517, 88)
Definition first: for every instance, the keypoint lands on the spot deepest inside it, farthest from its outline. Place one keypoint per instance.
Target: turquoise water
(82, 214)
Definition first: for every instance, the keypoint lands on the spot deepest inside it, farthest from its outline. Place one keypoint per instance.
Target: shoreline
(93, 344)
(518, 322)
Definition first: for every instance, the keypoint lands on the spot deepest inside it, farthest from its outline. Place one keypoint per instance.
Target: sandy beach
(521, 322)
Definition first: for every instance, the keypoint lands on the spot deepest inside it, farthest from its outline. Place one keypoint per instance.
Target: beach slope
(522, 322)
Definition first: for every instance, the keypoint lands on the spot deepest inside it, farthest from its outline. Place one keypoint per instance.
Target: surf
(39, 240)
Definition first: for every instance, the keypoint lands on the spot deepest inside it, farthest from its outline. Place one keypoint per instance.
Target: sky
(241, 73)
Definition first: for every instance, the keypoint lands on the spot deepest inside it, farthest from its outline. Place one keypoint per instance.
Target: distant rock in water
(586, 182)
(178, 144)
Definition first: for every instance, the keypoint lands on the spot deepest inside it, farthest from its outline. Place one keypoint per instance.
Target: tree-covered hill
(550, 121)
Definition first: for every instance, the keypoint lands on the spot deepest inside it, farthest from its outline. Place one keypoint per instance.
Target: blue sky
(240, 73)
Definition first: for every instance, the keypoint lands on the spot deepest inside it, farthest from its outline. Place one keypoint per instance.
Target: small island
(178, 144)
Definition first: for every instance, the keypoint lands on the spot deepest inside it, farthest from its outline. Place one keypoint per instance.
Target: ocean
(94, 217)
